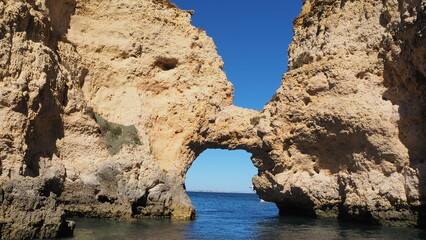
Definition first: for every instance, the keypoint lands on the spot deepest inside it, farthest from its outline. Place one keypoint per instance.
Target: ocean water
(236, 216)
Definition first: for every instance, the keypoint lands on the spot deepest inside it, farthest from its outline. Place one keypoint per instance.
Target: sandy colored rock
(349, 136)
(105, 105)
(35, 87)
(147, 67)
(135, 64)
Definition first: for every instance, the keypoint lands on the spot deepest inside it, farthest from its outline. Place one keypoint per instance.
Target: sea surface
(236, 216)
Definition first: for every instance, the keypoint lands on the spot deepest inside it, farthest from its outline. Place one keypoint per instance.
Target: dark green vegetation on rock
(115, 135)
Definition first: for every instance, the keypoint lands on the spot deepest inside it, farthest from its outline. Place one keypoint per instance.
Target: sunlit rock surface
(348, 122)
(105, 105)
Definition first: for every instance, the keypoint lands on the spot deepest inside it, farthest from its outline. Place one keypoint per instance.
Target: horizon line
(216, 191)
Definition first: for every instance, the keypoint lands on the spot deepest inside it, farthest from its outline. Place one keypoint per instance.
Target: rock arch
(330, 143)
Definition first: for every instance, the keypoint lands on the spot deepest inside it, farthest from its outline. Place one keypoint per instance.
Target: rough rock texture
(348, 122)
(146, 66)
(35, 87)
(344, 136)
(135, 63)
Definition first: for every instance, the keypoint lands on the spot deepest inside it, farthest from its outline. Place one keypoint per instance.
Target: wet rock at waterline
(105, 105)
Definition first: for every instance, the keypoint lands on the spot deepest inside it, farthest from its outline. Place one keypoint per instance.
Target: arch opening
(219, 170)
(221, 182)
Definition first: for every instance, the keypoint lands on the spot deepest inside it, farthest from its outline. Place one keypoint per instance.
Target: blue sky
(252, 37)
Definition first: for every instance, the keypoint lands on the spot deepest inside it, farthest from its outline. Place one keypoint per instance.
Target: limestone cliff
(36, 89)
(105, 105)
(76, 76)
(348, 122)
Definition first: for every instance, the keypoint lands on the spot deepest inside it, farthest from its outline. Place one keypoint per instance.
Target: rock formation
(76, 75)
(105, 104)
(348, 122)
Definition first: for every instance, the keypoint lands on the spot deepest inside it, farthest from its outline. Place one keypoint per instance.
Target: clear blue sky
(252, 37)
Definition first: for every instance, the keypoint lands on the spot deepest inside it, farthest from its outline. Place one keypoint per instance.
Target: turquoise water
(236, 216)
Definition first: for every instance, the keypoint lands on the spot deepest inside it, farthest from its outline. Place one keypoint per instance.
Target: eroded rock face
(343, 137)
(147, 67)
(134, 63)
(348, 120)
(36, 88)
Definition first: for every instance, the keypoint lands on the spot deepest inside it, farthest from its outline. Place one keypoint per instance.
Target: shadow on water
(147, 229)
(236, 216)
(305, 228)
